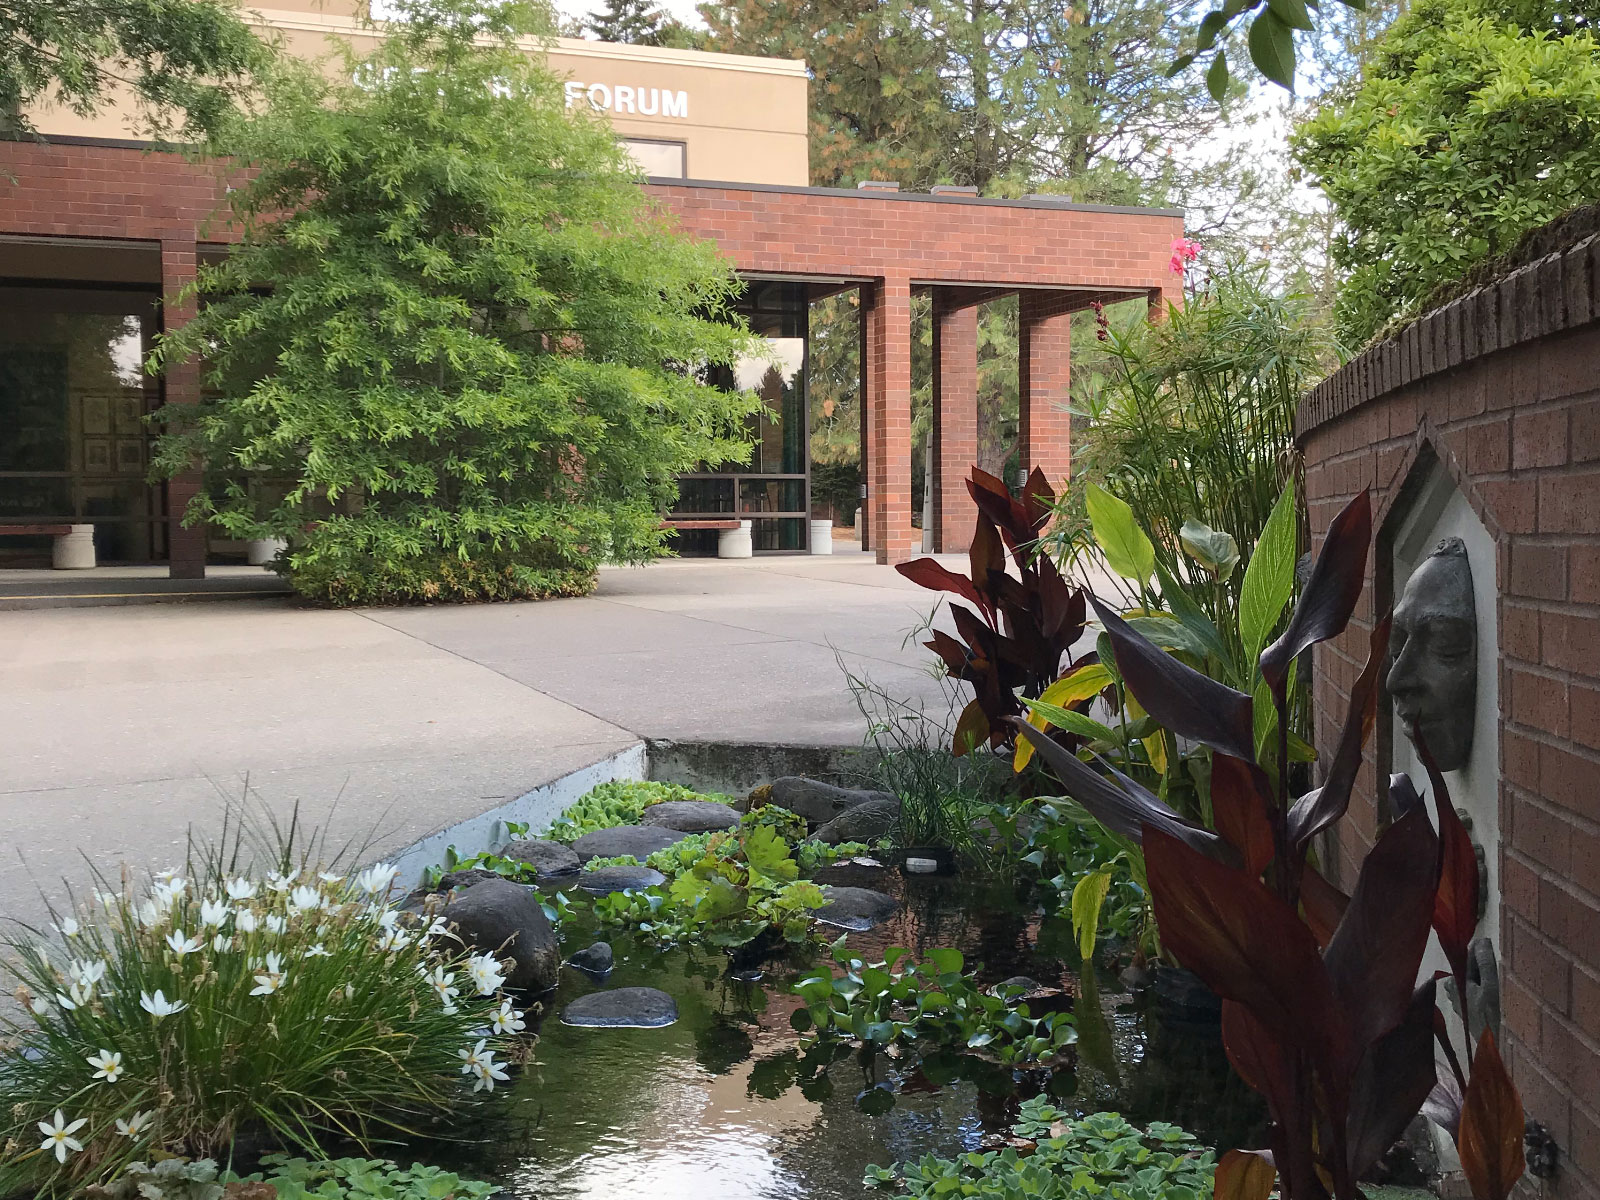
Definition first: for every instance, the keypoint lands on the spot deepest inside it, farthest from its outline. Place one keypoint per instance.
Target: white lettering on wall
(645, 102)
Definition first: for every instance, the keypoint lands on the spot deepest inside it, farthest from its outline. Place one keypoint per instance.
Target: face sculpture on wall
(1433, 665)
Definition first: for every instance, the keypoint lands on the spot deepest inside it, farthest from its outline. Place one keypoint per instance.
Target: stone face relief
(1433, 655)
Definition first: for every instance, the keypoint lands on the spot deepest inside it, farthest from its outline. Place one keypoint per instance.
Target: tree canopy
(1476, 121)
(457, 353)
(1006, 95)
(184, 61)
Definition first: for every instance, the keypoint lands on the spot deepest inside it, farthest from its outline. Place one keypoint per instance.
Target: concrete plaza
(122, 727)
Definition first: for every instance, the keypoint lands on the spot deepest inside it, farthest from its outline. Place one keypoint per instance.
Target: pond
(727, 1105)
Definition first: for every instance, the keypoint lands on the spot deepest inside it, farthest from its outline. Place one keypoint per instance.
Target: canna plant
(1020, 627)
(1323, 1013)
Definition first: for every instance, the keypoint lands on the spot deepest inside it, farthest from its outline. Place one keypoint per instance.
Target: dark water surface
(724, 1105)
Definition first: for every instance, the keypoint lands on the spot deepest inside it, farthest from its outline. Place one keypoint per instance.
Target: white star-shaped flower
(271, 979)
(107, 1065)
(181, 945)
(159, 1006)
(58, 1136)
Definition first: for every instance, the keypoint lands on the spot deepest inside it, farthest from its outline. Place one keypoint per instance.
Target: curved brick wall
(1503, 387)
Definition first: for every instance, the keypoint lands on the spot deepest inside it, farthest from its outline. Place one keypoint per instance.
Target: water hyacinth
(208, 1004)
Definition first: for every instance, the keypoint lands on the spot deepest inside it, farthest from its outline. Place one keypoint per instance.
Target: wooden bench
(74, 544)
(671, 523)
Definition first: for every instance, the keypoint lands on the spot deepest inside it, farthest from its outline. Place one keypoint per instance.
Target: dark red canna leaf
(1244, 1175)
(1183, 700)
(1455, 906)
(1490, 1140)
(1317, 810)
(952, 652)
(1330, 594)
(1395, 1077)
(973, 729)
(1247, 945)
(987, 559)
(1062, 607)
(1257, 1056)
(1241, 806)
(1037, 499)
(994, 501)
(1125, 810)
(1322, 904)
(1403, 796)
(928, 573)
(1375, 954)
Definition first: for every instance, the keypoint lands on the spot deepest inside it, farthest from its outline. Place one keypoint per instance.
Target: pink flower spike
(1184, 251)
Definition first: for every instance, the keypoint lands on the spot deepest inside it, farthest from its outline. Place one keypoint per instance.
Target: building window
(74, 447)
(658, 159)
(772, 490)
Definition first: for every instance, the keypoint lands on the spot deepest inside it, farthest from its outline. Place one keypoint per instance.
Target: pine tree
(631, 22)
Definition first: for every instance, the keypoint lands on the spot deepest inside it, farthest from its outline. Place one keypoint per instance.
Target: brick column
(955, 420)
(1044, 354)
(186, 547)
(888, 323)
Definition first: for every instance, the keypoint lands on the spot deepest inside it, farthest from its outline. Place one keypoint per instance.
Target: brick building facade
(1501, 388)
(92, 213)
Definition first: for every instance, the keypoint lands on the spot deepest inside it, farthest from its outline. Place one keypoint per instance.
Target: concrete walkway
(122, 726)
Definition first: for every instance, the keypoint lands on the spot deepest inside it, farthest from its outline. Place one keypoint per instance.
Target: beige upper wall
(741, 119)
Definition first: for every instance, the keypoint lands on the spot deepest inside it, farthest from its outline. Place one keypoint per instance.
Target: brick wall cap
(1356, 383)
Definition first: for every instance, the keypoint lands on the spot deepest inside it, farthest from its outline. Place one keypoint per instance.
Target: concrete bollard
(822, 537)
(735, 543)
(259, 552)
(74, 551)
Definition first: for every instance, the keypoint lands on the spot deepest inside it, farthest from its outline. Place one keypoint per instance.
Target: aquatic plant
(215, 1003)
(486, 860)
(619, 802)
(744, 884)
(353, 1178)
(1063, 1158)
(812, 855)
(935, 1003)
(1322, 1011)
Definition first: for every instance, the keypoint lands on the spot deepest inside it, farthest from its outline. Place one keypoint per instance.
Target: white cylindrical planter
(259, 552)
(822, 537)
(74, 551)
(735, 543)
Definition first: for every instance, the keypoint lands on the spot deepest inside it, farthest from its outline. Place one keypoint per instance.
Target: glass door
(74, 446)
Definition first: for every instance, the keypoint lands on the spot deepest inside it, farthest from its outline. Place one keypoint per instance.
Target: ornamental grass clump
(291, 1008)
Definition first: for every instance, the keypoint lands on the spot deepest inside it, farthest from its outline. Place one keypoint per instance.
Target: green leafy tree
(637, 23)
(1477, 121)
(184, 61)
(457, 354)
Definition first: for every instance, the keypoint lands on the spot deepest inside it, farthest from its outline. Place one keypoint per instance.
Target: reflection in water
(726, 1104)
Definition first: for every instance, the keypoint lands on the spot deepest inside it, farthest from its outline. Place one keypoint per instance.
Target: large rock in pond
(604, 880)
(546, 857)
(594, 959)
(622, 1008)
(855, 909)
(814, 800)
(690, 816)
(641, 841)
(507, 919)
(864, 823)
